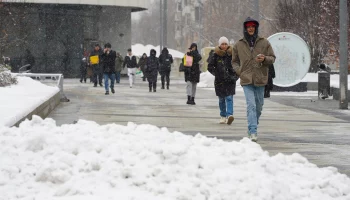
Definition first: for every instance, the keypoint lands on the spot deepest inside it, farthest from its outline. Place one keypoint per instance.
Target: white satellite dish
(292, 58)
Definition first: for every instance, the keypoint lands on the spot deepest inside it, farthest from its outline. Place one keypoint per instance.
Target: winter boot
(107, 93)
(112, 89)
(163, 86)
(192, 101)
(188, 99)
(230, 119)
(167, 87)
(150, 89)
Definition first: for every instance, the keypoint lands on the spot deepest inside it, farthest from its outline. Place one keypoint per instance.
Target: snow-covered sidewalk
(41, 161)
(17, 101)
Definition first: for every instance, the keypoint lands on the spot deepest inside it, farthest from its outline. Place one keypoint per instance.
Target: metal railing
(58, 77)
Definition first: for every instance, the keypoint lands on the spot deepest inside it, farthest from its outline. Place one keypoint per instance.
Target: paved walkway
(315, 129)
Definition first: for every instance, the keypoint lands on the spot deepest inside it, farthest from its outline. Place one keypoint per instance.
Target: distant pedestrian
(152, 70)
(225, 79)
(142, 65)
(95, 59)
(192, 73)
(118, 67)
(108, 62)
(251, 58)
(269, 85)
(83, 70)
(131, 64)
(165, 61)
(29, 59)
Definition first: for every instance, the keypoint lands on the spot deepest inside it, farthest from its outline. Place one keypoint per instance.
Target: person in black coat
(269, 85)
(108, 62)
(192, 74)
(225, 79)
(95, 62)
(152, 67)
(83, 70)
(142, 64)
(165, 61)
(131, 64)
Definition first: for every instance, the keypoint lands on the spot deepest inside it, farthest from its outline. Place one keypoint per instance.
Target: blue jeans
(109, 76)
(117, 77)
(254, 96)
(226, 106)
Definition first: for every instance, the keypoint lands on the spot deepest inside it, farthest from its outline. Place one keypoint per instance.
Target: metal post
(343, 59)
(165, 23)
(257, 15)
(161, 26)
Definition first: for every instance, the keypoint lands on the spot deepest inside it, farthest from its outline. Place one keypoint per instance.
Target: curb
(44, 109)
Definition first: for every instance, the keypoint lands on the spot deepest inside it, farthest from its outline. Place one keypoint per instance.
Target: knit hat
(222, 40)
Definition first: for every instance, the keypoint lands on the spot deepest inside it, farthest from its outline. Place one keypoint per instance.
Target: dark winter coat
(83, 66)
(165, 61)
(152, 68)
(272, 75)
(119, 63)
(192, 74)
(142, 63)
(108, 62)
(225, 77)
(130, 62)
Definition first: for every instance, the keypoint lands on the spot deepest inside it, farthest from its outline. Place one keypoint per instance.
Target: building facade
(57, 34)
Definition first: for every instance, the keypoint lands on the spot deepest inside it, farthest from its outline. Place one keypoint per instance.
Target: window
(179, 6)
(197, 14)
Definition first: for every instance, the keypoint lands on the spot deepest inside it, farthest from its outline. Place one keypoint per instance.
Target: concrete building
(56, 32)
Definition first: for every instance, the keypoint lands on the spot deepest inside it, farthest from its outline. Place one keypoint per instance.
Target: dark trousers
(154, 84)
(97, 74)
(83, 75)
(117, 77)
(163, 76)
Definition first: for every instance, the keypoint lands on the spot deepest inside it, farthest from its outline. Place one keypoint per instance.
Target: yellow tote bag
(94, 60)
(188, 61)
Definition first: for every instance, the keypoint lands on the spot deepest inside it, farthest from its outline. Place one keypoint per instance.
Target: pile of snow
(139, 49)
(41, 161)
(206, 80)
(6, 77)
(17, 101)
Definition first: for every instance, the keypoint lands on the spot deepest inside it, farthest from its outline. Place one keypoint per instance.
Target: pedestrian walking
(131, 64)
(251, 57)
(95, 59)
(118, 67)
(269, 85)
(83, 70)
(142, 65)
(165, 61)
(152, 67)
(192, 73)
(225, 79)
(108, 62)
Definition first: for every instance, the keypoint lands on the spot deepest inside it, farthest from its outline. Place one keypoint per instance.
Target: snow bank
(41, 161)
(17, 101)
(139, 49)
(206, 80)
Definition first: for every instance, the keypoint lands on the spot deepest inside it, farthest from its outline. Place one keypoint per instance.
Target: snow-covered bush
(6, 78)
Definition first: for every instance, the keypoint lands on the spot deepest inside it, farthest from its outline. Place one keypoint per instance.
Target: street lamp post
(343, 59)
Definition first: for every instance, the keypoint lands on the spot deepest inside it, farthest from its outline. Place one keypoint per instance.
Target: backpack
(167, 61)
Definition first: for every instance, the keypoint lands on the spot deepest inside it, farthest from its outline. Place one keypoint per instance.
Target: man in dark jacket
(192, 74)
(165, 61)
(108, 62)
(131, 64)
(269, 85)
(251, 58)
(95, 61)
(118, 67)
(142, 65)
(152, 70)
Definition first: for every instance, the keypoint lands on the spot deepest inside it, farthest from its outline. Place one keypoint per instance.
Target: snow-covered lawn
(42, 161)
(19, 100)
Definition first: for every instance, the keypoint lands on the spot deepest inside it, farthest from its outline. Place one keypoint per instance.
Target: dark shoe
(167, 87)
(192, 101)
(112, 89)
(107, 93)
(188, 100)
(81, 81)
(150, 89)
(85, 81)
(101, 85)
(95, 85)
(163, 87)
(154, 91)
